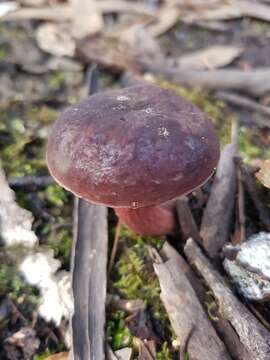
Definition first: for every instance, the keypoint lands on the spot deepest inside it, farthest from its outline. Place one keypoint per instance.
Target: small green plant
(164, 353)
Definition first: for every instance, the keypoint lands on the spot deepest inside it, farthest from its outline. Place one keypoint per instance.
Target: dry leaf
(165, 19)
(22, 345)
(210, 58)
(263, 175)
(87, 19)
(107, 52)
(55, 39)
(59, 356)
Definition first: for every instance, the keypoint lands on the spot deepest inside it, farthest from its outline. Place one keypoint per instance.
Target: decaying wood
(251, 332)
(186, 220)
(89, 271)
(217, 216)
(185, 311)
(146, 349)
(251, 188)
(255, 82)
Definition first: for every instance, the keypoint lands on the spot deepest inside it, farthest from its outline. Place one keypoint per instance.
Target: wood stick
(244, 102)
(184, 309)
(30, 182)
(224, 329)
(255, 82)
(115, 245)
(217, 216)
(251, 332)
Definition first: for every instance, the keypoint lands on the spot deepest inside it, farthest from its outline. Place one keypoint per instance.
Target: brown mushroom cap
(134, 147)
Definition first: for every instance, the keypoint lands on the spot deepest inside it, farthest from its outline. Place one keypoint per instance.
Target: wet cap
(133, 147)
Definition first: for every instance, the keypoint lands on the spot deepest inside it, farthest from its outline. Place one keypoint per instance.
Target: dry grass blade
(185, 311)
(217, 216)
(251, 332)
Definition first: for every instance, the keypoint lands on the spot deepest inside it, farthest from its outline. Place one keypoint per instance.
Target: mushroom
(134, 149)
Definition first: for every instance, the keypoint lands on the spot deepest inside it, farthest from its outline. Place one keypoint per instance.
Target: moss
(117, 332)
(13, 284)
(249, 145)
(134, 277)
(56, 80)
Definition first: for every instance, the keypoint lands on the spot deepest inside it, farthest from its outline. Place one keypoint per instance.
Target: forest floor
(41, 73)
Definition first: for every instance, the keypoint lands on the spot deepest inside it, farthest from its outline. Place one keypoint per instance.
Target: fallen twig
(65, 13)
(255, 82)
(246, 103)
(251, 332)
(184, 310)
(217, 215)
(115, 245)
(30, 182)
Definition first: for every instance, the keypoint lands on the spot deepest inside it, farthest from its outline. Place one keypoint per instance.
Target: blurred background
(214, 53)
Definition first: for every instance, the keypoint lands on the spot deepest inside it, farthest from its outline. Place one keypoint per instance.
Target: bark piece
(187, 223)
(217, 215)
(185, 312)
(251, 332)
(89, 270)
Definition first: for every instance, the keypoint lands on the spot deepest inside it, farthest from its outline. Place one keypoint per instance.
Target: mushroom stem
(151, 220)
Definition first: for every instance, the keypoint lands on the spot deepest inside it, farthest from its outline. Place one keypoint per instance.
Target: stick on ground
(254, 336)
(185, 311)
